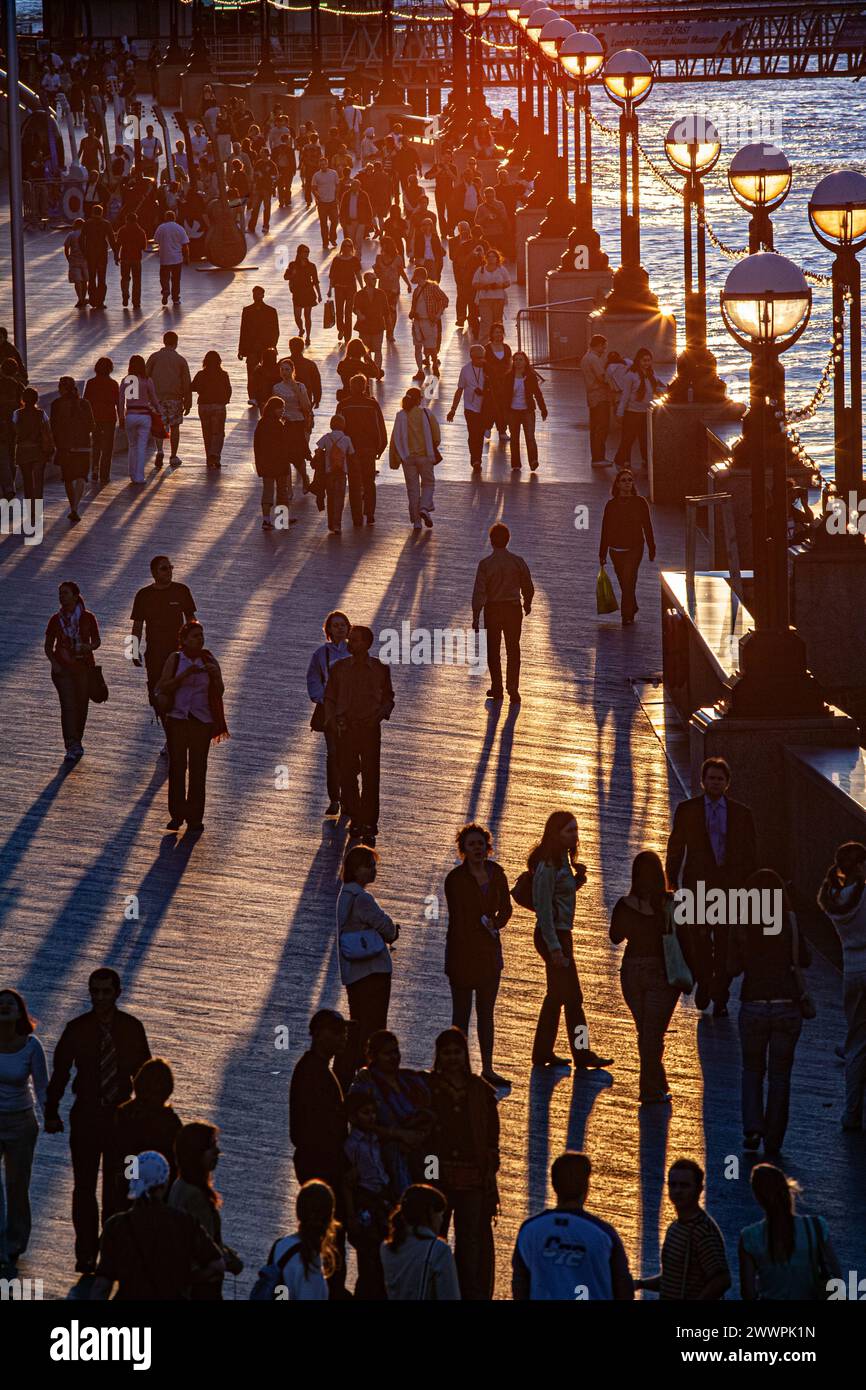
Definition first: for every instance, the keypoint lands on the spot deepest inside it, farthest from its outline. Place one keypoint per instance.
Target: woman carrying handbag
(364, 933)
(71, 638)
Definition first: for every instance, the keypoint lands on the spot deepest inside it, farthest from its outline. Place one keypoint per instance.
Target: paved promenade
(235, 933)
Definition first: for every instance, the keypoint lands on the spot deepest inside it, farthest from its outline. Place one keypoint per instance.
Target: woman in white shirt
(23, 1081)
(418, 1265)
(640, 386)
(364, 933)
(490, 284)
(310, 1255)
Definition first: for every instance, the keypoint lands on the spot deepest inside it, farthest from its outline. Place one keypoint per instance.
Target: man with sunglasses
(159, 611)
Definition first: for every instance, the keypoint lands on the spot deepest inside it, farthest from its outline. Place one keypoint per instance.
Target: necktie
(108, 1091)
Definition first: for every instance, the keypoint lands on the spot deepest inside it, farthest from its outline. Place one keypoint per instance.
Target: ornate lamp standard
(388, 93)
(765, 306)
(837, 216)
(527, 58)
(265, 73)
(580, 57)
(759, 177)
(199, 58)
(475, 11)
(533, 27)
(457, 105)
(512, 14)
(628, 79)
(550, 39)
(317, 82)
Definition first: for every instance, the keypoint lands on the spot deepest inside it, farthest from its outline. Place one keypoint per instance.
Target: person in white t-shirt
(309, 1256)
(173, 244)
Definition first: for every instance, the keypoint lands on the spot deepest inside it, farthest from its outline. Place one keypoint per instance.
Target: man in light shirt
(173, 244)
(324, 185)
(598, 394)
(470, 387)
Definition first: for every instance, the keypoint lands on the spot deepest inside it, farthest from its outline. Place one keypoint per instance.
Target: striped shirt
(693, 1253)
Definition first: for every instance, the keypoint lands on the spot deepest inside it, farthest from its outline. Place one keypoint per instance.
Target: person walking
(76, 262)
(334, 648)
(130, 247)
(213, 387)
(521, 391)
(71, 637)
(317, 1115)
(472, 389)
(364, 423)
(264, 180)
(106, 1047)
(479, 907)
(843, 898)
(145, 1121)
(358, 697)
(770, 1018)
(593, 364)
(310, 1256)
(159, 611)
(356, 359)
(502, 582)
(334, 452)
(303, 278)
(72, 426)
(265, 378)
(344, 279)
(11, 401)
(497, 364)
(287, 166)
(189, 693)
(102, 394)
(324, 184)
(694, 1263)
(641, 386)
(364, 934)
(138, 411)
(169, 372)
(373, 316)
(556, 877)
(417, 1263)
(32, 445)
(97, 239)
(601, 1264)
(490, 288)
(273, 464)
(306, 372)
(260, 329)
(310, 159)
(356, 214)
(197, 1150)
(298, 417)
(429, 302)
(641, 919)
(10, 353)
(173, 246)
(427, 249)
(713, 840)
(415, 441)
(784, 1258)
(625, 524)
(23, 1081)
(465, 1140)
(389, 269)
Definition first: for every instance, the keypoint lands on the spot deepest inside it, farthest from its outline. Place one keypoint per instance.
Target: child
(335, 447)
(367, 1194)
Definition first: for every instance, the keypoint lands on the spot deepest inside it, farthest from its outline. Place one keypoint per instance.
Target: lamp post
(628, 79)
(837, 216)
(759, 177)
(388, 93)
(580, 58)
(174, 53)
(265, 72)
(550, 39)
(529, 127)
(693, 147)
(199, 58)
(512, 13)
(457, 105)
(765, 306)
(475, 11)
(317, 83)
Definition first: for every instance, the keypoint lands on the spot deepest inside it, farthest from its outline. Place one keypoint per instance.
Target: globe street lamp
(837, 216)
(457, 105)
(534, 25)
(628, 79)
(525, 58)
(550, 38)
(265, 72)
(388, 93)
(765, 306)
(317, 82)
(512, 13)
(759, 177)
(580, 58)
(475, 11)
(198, 58)
(693, 147)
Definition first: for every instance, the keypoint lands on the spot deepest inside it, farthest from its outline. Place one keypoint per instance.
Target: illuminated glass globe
(581, 55)
(476, 9)
(553, 35)
(537, 21)
(693, 145)
(766, 301)
(837, 210)
(512, 11)
(527, 10)
(759, 176)
(628, 77)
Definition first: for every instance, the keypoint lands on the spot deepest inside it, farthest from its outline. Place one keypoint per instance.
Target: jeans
(102, 451)
(360, 748)
(188, 745)
(563, 992)
(169, 281)
(651, 1002)
(503, 619)
(131, 270)
(420, 482)
(768, 1039)
(138, 440)
(91, 1139)
(634, 427)
(19, 1130)
(485, 1003)
(475, 426)
(263, 201)
(335, 496)
(599, 424)
(362, 484)
(213, 429)
(71, 686)
(854, 1000)
(474, 1252)
(489, 312)
(368, 1012)
(332, 763)
(281, 487)
(327, 223)
(96, 285)
(526, 420)
(343, 300)
(627, 563)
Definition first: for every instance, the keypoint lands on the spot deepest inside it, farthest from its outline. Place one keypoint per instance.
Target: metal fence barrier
(554, 335)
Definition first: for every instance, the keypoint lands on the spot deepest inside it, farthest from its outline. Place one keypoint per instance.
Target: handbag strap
(426, 1270)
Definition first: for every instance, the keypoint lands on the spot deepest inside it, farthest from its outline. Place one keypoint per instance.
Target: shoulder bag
(804, 999)
(817, 1258)
(165, 701)
(676, 968)
(97, 690)
(360, 945)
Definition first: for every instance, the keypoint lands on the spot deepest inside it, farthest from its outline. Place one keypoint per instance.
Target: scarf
(215, 701)
(70, 623)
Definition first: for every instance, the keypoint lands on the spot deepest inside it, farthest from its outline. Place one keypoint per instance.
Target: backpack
(521, 890)
(334, 457)
(270, 1275)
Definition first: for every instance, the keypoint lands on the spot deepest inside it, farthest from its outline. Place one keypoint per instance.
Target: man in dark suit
(106, 1047)
(712, 841)
(260, 329)
(356, 701)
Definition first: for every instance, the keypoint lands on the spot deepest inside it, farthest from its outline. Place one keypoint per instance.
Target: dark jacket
(765, 961)
(473, 954)
(358, 366)
(344, 273)
(625, 523)
(359, 692)
(271, 448)
(502, 577)
(371, 307)
(78, 1047)
(71, 423)
(534, 398)
(484, 1130)
(690, 838)
(140, 1125)
(364, 212)
(308, 374)
(260, 328)
(97, 239)
(365, 424)
(317, 1119)
(212, 386)
(435, 245)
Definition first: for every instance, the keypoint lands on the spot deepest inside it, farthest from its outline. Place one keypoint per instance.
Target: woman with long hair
(521, 393)
(417, 1263)
(145, 1121)
(71, 638)
(367, 976)
(625, 524)
(76, 262)
(213, 387)
(402, 1099)
(137, 409)
(465, 1140)
(189, 694)
(303, 278)
(389, 269)
(310, 1255)
(357, 361)
(197, 1152)
(490, 291)
(770, 1019)
(640, 919)
(556, 876)
(71, 421)
(23, 1083)
(784, 1257)
(640, 386)
(479, 906)
(264, 379)
(497, 365)
(344, 279)
(414, 444)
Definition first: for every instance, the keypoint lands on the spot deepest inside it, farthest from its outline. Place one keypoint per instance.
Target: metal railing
(552, 335)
